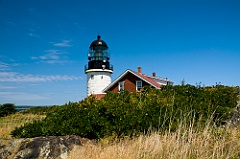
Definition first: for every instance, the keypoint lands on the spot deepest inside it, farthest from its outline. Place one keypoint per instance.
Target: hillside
(174, 122)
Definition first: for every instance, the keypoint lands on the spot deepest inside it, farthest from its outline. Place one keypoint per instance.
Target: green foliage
(40, 110)
(7, 109)
(127, 114)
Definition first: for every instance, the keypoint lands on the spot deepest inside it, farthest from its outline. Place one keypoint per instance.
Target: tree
(7, 108)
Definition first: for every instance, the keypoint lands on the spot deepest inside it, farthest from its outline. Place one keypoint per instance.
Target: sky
(44, 44)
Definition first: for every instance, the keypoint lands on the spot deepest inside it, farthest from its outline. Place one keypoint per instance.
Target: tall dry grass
(183, 144)
(9, 123)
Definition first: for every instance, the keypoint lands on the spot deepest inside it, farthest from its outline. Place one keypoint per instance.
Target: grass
(9, 123)
(183, 144)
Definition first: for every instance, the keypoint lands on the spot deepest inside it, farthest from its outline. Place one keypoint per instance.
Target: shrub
(7, 109)
(40, 110)
(127, 114)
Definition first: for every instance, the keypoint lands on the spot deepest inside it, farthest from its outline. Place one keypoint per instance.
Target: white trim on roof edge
(145, 80)
(115, 81)
(122, 75)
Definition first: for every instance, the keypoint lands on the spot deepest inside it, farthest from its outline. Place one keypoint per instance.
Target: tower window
(92, 77)
(121, 85)
(138, 85)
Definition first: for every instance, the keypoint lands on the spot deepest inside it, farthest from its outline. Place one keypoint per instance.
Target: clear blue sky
(44, 44)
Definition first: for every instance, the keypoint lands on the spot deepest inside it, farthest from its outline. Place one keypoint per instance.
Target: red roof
(141, 76)
(147, 78)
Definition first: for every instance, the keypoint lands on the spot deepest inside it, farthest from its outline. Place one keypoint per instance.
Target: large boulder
(53, 147)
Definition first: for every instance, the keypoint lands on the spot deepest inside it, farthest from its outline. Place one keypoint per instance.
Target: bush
(127, 114)
(7, 109)
(40, 110)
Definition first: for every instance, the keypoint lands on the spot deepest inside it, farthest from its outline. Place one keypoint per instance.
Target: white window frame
(138, 87)
(121, 85)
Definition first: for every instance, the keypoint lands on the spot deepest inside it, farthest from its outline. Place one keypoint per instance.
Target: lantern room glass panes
(98, 54)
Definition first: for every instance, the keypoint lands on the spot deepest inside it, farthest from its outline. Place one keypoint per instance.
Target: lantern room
(98, 55)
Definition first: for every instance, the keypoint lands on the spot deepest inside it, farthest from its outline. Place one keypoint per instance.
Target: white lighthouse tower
(98, 69)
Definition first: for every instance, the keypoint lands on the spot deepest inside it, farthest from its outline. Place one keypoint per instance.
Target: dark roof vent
(139, 69)
(154, 74)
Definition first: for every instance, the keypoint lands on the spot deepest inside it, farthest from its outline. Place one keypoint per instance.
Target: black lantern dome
(98, 55)
(96, 43)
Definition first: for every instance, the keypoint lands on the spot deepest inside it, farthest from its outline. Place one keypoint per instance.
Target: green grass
(9, 123)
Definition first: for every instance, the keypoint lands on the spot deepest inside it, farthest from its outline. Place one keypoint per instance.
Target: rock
(53, 147)
(234, 120)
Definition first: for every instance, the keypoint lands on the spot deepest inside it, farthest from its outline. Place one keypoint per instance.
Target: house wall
(129, 83)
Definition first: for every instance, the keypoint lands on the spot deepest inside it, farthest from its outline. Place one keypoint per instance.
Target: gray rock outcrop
(234, 120)
(53, 147)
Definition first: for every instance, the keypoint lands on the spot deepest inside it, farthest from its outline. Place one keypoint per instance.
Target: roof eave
(145, 80)
(115, 81)
(122, 75)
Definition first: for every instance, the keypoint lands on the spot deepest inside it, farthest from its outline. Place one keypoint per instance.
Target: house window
(121, 85)
(138, 85)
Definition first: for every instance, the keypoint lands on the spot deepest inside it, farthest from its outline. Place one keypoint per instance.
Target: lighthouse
(98, 69)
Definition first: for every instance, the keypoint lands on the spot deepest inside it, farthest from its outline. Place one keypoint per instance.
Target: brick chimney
(154, 74)
(139, 69)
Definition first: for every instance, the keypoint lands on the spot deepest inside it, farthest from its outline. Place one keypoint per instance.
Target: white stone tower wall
(97, 81)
